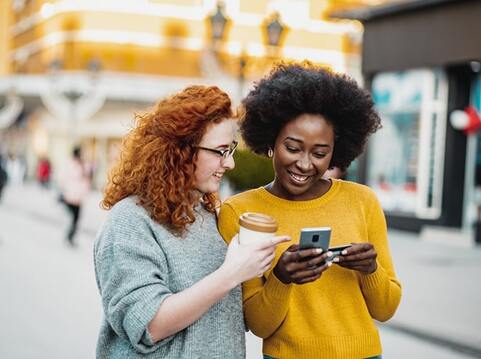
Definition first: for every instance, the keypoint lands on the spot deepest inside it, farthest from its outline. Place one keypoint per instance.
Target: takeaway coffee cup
(256, 226)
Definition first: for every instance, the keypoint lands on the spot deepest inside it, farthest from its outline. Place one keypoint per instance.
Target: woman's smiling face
(302, 153)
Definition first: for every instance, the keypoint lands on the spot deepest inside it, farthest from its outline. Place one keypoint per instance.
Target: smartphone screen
(318, 237)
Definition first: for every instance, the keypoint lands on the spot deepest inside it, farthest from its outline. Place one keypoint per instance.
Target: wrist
(227, 277)
(279, 275)
(373, 269)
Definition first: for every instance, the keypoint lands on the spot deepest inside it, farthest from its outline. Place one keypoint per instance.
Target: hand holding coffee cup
(254, 226)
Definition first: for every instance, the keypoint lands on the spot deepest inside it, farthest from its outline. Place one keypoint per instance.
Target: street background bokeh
(74, 72)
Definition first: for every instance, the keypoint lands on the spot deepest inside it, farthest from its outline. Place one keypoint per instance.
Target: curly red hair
(157, 158)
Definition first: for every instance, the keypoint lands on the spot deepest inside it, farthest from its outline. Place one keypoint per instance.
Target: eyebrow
(300, 141)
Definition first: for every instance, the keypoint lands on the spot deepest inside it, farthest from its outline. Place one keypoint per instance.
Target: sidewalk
(441, 292)
(441, 301)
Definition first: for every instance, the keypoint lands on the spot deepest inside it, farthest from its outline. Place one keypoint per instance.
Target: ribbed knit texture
(138, 264)
(333, 316)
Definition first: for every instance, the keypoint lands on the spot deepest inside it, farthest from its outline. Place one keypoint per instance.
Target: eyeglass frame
(224, 154)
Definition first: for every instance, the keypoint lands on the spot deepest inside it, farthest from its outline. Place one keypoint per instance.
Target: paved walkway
(441, 303)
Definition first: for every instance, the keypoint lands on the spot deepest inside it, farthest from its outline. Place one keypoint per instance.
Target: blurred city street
(50, 307)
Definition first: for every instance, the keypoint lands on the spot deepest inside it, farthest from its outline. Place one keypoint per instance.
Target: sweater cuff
(373, 280)
(275, 289)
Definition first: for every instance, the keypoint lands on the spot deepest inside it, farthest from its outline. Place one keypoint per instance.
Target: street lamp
(274, 30)
(66, 101)
(218, 23)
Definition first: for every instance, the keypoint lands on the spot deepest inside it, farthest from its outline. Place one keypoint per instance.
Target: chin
(210, 189)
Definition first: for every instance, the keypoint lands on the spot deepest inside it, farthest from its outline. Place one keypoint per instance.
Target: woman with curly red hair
(169, 284)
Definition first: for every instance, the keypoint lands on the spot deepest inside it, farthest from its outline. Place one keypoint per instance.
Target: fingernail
(344, 252)
(336, 260)
(329, 254)
(319, 250)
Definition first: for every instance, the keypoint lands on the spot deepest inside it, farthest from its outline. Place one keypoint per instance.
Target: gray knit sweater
(138, 264)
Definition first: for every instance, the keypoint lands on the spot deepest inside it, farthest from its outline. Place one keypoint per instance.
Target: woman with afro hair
(170, 287)
(314, 303)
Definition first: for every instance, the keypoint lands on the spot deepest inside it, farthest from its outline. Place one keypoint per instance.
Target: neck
(316, 191)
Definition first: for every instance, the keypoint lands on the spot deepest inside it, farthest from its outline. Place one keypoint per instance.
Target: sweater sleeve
(131, 271)
(381, 289)
(266, 299)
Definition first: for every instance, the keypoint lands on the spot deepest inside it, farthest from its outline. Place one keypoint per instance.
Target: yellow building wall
(173, 43)
(5, 40)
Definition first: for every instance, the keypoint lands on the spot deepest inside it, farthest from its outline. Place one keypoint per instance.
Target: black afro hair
(293, 89)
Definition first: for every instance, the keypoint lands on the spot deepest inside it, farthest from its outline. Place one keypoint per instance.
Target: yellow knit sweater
(333, 316)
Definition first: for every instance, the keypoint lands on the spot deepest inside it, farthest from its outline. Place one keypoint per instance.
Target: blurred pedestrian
(16, 170)
(44, 170)
(169, 284)
(74, 185)
(3, 175)
(313, 304)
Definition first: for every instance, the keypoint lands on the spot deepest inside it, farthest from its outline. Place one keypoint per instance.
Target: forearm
(266, 309)
(382, 293)
(182, 309)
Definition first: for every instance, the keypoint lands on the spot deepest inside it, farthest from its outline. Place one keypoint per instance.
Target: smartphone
(336, 251)
(316, 237)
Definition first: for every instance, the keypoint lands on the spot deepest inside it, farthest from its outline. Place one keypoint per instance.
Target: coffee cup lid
(258, 222)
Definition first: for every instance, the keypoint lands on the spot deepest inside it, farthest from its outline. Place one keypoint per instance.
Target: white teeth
(218, 175)
(299, 178)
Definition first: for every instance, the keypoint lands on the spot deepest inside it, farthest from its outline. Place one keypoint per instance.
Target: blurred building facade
(77, 70)
(421, 60)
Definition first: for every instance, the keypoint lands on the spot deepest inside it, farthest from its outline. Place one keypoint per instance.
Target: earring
(270, 153)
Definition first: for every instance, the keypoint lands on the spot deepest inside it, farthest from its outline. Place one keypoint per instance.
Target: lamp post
(274, 30)
(274, 33)
(65, 101)
(218, 23)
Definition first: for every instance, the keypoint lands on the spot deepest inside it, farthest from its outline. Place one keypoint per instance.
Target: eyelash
(295, 150)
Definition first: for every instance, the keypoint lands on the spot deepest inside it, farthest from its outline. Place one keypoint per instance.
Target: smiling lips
(298, 178)
(218, 175)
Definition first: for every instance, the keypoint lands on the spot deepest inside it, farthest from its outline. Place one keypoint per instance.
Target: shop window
(406, 157)
(476, 103)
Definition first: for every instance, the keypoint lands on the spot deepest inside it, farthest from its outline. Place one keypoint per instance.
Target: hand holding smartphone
(319, 237)
(315, 237)
(336, 251)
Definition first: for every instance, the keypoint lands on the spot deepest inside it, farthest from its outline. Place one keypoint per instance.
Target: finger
(266, 268)
(308, 279)
(359, 256)
(357, 248)
(311, 252)
(280, 239)
(293, 248)
(307, 272)
(271, 241)
(268, 261)
(320, 259)
(351, 265)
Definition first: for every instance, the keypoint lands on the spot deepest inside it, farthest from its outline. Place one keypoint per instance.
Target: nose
(304, 163)
(228, 163)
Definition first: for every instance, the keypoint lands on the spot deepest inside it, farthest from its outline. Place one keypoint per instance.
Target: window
(406, 157)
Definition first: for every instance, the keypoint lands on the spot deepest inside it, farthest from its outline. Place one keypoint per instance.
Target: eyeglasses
(225, 154)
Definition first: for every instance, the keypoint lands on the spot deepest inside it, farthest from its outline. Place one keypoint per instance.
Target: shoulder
(357, 190)
(243, 198)
(128, 210)
(127, 217)
(128, 206)
(128, 225)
